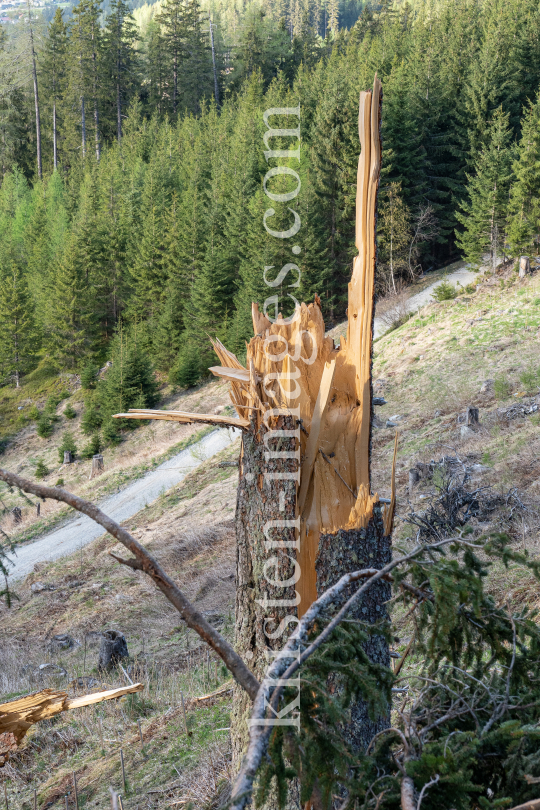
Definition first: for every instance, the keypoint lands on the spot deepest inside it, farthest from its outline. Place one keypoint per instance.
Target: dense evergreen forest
(132, 199)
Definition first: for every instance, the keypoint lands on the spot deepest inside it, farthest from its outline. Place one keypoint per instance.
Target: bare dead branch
(407, 794)
(152, 568)
(426, 787)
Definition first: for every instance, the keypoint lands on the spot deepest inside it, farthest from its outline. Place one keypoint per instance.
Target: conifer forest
(330, 594)
(132, 165)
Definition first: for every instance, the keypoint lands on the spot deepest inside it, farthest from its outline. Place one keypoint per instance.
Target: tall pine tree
(484, 215)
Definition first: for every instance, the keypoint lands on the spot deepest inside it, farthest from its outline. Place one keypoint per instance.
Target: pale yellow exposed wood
(312, 444)
(99, 697)
(231, 374)
(260, 321)
(185, 418)
(17, 716)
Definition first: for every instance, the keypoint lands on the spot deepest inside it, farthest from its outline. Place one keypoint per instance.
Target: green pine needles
(465, 707)
(128, 382)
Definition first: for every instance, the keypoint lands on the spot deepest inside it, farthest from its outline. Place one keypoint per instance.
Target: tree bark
(338, 553)
(55, 148)
(113, 648)
(83, 127)
(36, 93)
(262, 499)
(97, 466)
(96, 109)
(216, 90)
(524, 266)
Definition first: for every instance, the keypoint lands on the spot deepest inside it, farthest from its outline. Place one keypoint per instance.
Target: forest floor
(479, 350)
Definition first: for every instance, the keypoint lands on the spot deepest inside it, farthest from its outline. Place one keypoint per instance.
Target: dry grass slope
(430, 370)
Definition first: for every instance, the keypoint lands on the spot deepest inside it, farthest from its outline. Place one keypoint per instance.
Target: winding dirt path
(121, 506)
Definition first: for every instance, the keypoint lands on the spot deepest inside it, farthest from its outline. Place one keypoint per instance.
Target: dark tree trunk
(338, 554)
(36, 95)
(112, 650)
(259, 501)
(83, 127)
(55, 147)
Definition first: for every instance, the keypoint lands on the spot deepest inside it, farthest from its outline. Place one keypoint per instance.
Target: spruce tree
(130, 381)
(171, 20)
(86, 74)
(524, 224)
(155, 68)
(484, 215)
(19, 339)
(53, 76)
(68, 337)
(168, 324)
(148, 273)
(335, 160)
(120, 59)
(197, 79)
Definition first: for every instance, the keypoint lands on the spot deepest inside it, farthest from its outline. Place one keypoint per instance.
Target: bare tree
(425, 229)
(32, 54)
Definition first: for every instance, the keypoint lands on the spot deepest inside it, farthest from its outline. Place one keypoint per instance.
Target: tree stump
(524, 266)
(113, 648)
(68, 457)
(414, 478)
(38, 509)
(97, 466)
(16, 515)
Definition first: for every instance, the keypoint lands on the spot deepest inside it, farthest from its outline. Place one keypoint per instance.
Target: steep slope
(480, 350)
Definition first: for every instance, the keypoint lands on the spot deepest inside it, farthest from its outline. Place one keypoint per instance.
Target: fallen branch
(145, 562)
(534, 804)
(19, 715)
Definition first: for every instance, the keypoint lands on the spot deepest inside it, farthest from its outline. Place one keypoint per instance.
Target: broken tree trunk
(19, 715)
(305, 512)
(524, 266)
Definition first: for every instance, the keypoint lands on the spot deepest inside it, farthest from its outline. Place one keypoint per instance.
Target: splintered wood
(293, 369)
(17, 716)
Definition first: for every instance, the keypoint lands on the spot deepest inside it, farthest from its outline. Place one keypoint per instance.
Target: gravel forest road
(121, 506)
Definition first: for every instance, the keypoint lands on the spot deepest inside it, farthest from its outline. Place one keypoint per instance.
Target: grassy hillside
(141, 450)
(479, 350)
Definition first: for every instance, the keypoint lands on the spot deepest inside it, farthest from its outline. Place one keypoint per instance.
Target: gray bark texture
(97, 466)
(113, 648)
(339, 554)
(258, 501)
